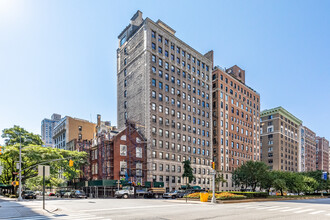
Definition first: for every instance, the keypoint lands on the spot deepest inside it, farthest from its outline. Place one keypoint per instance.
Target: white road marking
(79, 217)
(305, 210)
(317, 212)
(135, 207)
(278, 208)
(267, 207)
(31, 217)
(288, 210)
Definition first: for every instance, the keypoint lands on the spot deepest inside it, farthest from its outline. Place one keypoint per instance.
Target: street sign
(47, 170)
(325, 175)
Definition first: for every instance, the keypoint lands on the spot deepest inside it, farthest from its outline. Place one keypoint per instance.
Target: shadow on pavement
(12, 209)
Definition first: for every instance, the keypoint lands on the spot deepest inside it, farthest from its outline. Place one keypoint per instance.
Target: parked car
(67, 195)
(28, 195)
(50, 194)
(172, 194)
(78, 194)
(60, 193)
(180, 194)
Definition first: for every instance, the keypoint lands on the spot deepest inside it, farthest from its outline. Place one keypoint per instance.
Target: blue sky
(60, 56)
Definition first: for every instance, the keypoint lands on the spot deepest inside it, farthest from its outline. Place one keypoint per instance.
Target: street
(162, 209)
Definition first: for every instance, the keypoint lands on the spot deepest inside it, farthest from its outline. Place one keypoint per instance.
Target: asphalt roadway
(83, 209)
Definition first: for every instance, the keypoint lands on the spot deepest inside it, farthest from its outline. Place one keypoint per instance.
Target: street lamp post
(213, 189)
(20, 171)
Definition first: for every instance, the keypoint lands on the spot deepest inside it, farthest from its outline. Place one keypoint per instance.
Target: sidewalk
(11, 208)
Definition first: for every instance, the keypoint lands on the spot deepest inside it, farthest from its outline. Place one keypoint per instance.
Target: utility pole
(213, 189)
(43, 187)
(20, 170)
(213, 172)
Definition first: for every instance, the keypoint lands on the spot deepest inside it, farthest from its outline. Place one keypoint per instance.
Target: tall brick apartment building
(322, 154)
(280, 139)
(308, 149)
(236, 109)
(164, 85)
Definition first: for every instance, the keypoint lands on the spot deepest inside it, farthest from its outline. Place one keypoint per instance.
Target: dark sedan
(29, 195)
(78, 194)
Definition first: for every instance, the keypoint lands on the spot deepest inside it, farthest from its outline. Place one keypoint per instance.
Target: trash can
(204, 197)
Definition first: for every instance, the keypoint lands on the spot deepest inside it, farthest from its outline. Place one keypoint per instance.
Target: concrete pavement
(170, 209)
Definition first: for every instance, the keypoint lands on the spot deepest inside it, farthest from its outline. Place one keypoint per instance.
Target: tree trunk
(281, 192)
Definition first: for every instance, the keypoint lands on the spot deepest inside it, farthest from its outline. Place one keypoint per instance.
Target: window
(139, 152)
(153, 46)
(153, 82)
(123, 150)
(123, 40)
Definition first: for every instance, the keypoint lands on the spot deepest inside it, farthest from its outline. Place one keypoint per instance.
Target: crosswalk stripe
(82, 218)
(30, 217)
(71, 216)
(278, 208)
(267, 207)
(305, 210)
(317, 212)
(288, 210)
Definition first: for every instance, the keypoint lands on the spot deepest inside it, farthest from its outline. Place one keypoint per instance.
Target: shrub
(221, 196)
(251, 195)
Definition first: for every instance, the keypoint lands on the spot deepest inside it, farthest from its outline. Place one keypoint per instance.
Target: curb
(258, 200)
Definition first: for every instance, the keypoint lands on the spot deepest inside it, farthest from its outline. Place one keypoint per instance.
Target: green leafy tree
(280, 184)
(17, 134)
(310, 184)
(250, 174)
(33, 155)
(35, 183)
(267, 181)
(219, 179)
(188, 171)
(317, 175)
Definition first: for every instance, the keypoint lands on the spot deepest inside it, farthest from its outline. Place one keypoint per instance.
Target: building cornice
(281, 111)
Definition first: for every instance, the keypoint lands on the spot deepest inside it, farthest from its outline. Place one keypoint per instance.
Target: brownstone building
(308, 149)
(236, 109)
(115, 155)
(280, 140)
(322, 154)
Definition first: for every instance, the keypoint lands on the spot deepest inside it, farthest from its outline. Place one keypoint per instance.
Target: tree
(250, 174)
(317, 175)
(35, 183)
(267, 181)
(310, 184)
(219, 179)
(279, 184)
(17, 134)
(187, 171)
(33, 155)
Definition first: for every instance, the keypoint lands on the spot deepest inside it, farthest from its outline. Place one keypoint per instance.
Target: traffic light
(71, 163)
(213, 165)
(1, 150)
